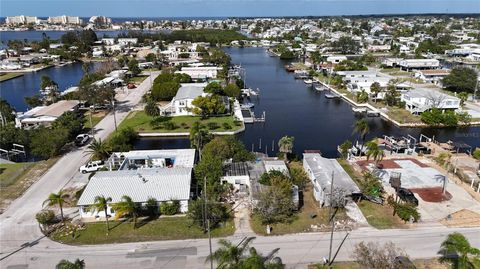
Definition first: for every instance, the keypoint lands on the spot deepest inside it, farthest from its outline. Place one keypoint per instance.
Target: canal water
(15, 90)
(296, 110)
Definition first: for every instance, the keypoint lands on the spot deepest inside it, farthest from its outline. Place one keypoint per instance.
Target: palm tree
(285, 144)
(65, 264)
(98, 149)
(86, 68)
(126, 207)
(457, 250)
(375, 89)
(56, 199)
(374, 151)
(229, 255)
(101, 203)
(361, 128)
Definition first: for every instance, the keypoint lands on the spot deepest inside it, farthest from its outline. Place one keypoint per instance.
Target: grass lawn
(396, 72)
(402, 115)
(96, 118)
(140, 122)
(17, 178)
(7, 76)
(302, 221)
(137, 80)
(168, 228)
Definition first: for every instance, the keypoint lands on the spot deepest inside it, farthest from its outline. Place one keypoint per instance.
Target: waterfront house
(237, 175)
(200, 72)
(356, 76)
(419, 100)
(276, 165)
(181, 104)
(45, 115)
(321, 171)
(127, 41)
(336, 59)
(409, 64)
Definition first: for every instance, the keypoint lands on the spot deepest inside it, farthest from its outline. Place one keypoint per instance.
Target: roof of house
(435, 72)
(163, 184)
(323, 168)
(429, 93)
(236, 169)
(181, 157)
(53, 110)
(190, 91)
(277, 165)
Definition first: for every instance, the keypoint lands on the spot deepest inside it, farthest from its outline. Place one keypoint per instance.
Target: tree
(463, 98)
(216, 213)
(7, 113)
(299, 176)
(232, 90)
(362, 129)
(64, 264)
(152, 207)
(374, 256)
(461, 79)
(391, 95)
(151, 108)
(47, 143)
(33, 101)
(457, 251)
(476, 153)
(208, 106)
(266, 178)
(375, 89)
(9, 134)
(100, 203)
(98, 149)
(345, 147)
(151, 57)
(275, 203)
(370, 184)
(374, 151)
(71, 122)
(126, 207)
(164, 91)
(133, 67)
(346, 45)
(214, 88)
(57, 199)
(45, 217)
(285, 144)
(199, 136)
(362, 97)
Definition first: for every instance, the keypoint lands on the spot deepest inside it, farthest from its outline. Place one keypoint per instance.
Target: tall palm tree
(65, 264)
(375, 88)
(374, 151)
(229, 255)
(126, 207)
(457, 250)
(98, 149)
(56, 199)
(101, 203)
(285, 144)
(361, 128)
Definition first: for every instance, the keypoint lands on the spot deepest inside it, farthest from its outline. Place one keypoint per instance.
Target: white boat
(247, 105)
(359, 110)
(319, 88)
(308, 81)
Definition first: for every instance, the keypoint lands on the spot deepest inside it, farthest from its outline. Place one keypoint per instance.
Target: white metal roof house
(320, 171)
(45, 115)
(147, 159)
(432, 76)
(409, 64)
(162, 184)
(420, 100)
(200, 72)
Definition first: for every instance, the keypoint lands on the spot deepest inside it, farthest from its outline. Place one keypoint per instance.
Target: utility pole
(207, 219)
(114, 116)
(332, 220)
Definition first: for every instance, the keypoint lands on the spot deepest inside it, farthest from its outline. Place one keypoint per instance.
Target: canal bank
(302, 112)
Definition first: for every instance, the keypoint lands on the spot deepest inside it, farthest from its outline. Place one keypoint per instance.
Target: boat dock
(249, 116)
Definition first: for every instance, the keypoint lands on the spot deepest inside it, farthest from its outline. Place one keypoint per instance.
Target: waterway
(15, 90)
(296, 110)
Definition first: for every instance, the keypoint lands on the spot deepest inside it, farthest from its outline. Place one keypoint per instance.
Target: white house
(321, 172)
(162, 184)
(45, 115)
(181, 104)
(127, 41)
(336, 59)
(409, 64)
(356, 76)
(420, 100)
(432, 76)
(200, 72)
(237, 175)
(276, 165)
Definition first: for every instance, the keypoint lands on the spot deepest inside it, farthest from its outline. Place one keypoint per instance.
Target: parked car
(82, 139)
(91, 167)
(131, 86)
(407, 196)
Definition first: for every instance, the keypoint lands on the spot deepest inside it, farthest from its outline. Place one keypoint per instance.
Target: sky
(231, 8)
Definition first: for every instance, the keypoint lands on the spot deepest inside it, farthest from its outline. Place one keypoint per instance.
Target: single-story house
(146, 159)
(419, 100)
(434, 76)
(336, 59)
(236, 174)
(201, 72)
(321, 172)
(45, 115)
(409, 64)
(162, 184)
(277, 165)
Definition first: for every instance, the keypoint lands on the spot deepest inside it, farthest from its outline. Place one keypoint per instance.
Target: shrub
(237, 123)
(407, 212)
(226, 126)
(213, 125)
(123, 140)
(45, 217)
(169, 125)
(151, 109)
(170, 208)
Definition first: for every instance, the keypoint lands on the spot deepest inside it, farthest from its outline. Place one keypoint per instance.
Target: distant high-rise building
(16, 20)
(64, 20)
(100, 20)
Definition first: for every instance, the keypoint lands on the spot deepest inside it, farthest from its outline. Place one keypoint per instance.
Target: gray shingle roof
(163, 184)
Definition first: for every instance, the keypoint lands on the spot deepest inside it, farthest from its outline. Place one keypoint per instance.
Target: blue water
(294, 109)
(15, 90)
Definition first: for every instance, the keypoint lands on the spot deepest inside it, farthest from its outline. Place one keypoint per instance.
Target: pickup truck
(91, 167)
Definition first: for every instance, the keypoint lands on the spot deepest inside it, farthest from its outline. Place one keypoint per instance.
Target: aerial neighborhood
(164, 136)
